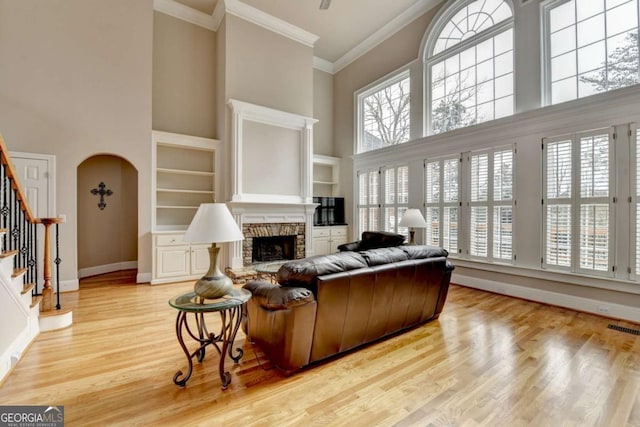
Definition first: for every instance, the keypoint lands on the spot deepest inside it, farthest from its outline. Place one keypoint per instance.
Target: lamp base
(214, 284)
(213, 287)
(412, 235)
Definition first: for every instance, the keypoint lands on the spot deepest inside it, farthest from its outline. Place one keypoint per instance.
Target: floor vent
(623, 329)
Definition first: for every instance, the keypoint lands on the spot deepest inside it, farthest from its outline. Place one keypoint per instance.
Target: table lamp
(413, 219)
(213, 223)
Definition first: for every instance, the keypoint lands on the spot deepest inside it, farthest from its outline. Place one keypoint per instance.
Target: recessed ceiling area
(341, 27)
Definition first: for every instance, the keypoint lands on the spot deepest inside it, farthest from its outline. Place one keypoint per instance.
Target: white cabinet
(327, 239)
(175, 260)
(326, 175)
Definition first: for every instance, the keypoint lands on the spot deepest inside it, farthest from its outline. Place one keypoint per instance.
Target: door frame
(51, 179)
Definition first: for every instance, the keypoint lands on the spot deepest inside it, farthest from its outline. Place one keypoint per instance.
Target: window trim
(359, 95)
(445, 14)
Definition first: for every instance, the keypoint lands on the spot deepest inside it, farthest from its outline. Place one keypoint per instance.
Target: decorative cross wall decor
(102, 192)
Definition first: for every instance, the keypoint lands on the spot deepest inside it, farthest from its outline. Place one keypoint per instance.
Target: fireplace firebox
(273, 248)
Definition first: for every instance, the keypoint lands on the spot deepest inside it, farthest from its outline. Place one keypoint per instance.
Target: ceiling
(343, 26)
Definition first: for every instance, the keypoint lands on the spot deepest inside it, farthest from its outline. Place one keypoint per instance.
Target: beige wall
(268, 69)
(107, 236)
(184, 77)
(399, 50)
(263, 68)
(323, 111)
(75, 80)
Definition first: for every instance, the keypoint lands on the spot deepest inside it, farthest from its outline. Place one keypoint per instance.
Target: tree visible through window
(471, 66)
(592, 47)
(385, 115)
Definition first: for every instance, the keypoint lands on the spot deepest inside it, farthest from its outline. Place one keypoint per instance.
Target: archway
(107, 215)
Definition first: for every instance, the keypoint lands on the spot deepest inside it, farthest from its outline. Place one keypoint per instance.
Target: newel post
(47, 291)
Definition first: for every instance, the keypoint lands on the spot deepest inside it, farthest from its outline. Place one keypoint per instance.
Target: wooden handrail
(15, 183)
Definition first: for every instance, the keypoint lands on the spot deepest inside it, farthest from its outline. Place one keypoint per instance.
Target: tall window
(591, 46)
(384, 114)
(578, 212)
(442, 202)
(491, 204)
(382, 204)
(470, 65)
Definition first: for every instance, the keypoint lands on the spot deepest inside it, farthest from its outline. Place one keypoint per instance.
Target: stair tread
(27, 287)
(36, 300)
(18, 271)
(55, 312)
(7, 254)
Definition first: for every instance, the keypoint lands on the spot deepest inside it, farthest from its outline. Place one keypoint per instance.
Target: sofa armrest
(274, 297)
(281, 320)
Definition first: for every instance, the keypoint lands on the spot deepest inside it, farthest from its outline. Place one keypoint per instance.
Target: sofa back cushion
(302, 272)
(424, 251)
(381, 256)
(379, 239)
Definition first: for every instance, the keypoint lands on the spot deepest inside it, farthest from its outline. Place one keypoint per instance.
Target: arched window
(469, 65)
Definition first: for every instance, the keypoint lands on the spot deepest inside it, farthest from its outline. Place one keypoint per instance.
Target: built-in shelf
(184, 178)
(326, 175)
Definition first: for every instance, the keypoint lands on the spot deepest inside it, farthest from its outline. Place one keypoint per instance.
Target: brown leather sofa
(329, 304)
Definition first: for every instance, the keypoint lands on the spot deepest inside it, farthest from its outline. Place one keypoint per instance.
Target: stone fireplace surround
(270, 219)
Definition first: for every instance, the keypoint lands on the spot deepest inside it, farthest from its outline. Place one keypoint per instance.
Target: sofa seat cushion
(302, 272)
(384, 256)
(274, 297)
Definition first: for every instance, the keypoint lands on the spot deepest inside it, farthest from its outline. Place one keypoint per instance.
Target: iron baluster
(5, 206)
(57, 261)
(35, 257)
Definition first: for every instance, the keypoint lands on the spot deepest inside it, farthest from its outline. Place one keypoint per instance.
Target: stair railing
(21, 234)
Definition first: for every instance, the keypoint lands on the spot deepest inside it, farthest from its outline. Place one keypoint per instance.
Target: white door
(35, 173)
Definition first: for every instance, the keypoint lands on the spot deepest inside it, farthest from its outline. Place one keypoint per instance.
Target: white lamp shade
(413, 218)
(213, 223)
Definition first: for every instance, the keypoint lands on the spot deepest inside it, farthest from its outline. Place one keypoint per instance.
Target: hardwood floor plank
(489, 360)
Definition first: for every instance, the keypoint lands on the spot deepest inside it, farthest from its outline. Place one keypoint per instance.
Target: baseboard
(107, 268)
(588, 305)
(69, 285)
(143, 278)
(14, 352)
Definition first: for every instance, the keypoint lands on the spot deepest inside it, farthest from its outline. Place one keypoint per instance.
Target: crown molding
(185, 13)
(323, 65)
(258, 17)
(396, 24)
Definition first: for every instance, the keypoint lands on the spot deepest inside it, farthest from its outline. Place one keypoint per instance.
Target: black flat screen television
(329, 212)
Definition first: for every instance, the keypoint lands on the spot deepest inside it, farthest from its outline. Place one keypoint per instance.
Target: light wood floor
(489, 360)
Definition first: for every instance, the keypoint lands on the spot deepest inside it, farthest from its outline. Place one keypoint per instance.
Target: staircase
(26, 306)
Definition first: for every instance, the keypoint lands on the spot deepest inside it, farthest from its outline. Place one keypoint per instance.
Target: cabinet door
(321, 245)
(172, 261)
(337, 241)
(199, 259)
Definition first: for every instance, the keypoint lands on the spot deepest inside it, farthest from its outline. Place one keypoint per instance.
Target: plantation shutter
(442, 202)
(368, 208)
(558, 203)
(502, 205)
(478, 245)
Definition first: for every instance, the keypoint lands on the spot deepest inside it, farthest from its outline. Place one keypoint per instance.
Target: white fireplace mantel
(271, 155)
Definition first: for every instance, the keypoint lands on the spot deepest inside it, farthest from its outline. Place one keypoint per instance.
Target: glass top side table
(230, 309)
